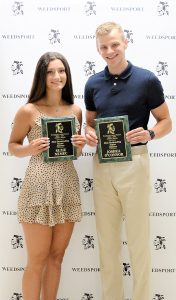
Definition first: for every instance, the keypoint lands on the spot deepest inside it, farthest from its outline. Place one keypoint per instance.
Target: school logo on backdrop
(87, 154)
(163, 155)
(162, 8)
(17, 241)
(16, 184)
(129, 35)
(165, 214)
(170, 97)
(16, 296)
(84, 125)
(158, 297)
(89, 8)
(87, 296)
(87, 185)
(17, 67)
(51, 9)
(89, 68)
(160, 185)
(88, 242)
(161, 68)
(17, 8)
(126, 269)
(159, 242)
(53, 36)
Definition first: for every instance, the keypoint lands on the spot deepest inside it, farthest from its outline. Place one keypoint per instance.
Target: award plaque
(59, 130)
(111, 133)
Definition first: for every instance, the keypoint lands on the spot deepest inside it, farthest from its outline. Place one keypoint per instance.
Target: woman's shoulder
(76, 109)
(27, 108)
(26, 112)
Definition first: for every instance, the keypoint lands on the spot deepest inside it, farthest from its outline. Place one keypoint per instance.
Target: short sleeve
(89, 96)
(155, 92)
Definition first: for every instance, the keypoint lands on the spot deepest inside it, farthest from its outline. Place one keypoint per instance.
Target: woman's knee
(37, 261)
(56, 257)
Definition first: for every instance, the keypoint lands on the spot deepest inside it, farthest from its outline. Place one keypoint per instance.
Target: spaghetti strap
(42, 114)
(37, 108)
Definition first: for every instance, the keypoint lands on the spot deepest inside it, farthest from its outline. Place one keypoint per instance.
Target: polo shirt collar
(125, 74)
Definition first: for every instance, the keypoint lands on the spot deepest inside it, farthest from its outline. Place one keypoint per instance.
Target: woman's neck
(53, 100)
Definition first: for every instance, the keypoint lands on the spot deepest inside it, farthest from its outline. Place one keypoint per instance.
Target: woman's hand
(39, 145)
(79, 142)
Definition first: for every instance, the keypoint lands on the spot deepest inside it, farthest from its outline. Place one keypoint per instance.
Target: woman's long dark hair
(38, 89)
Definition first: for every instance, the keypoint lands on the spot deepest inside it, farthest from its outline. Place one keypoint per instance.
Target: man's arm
(164, 122)
(91, 138)
(162, 127)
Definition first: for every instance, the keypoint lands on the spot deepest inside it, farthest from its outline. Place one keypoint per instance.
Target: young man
(123, 188)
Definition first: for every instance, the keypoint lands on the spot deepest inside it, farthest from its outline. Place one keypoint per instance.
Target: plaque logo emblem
(59, 127)
(111, 128)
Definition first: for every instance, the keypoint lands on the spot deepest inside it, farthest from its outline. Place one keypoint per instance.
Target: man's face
(112, 47)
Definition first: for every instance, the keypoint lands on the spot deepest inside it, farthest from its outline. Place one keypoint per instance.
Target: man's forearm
(162, 128)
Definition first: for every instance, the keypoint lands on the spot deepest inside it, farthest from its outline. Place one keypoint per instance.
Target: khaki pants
(123, 188)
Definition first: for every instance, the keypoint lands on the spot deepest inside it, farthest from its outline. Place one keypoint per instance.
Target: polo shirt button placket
(115, 83)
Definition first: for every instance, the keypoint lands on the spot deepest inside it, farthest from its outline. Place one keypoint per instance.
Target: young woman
(49, 201)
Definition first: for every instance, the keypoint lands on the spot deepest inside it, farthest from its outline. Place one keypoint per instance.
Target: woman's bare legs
(51, 277)
(38, 241)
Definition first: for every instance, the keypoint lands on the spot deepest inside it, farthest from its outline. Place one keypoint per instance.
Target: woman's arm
(21, 127)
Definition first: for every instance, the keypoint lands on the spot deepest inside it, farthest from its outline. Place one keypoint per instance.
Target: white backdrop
(27, 30)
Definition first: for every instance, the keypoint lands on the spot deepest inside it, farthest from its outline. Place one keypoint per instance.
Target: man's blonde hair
(107, 27)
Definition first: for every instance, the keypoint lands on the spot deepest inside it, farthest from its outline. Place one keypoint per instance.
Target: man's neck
(118, 69)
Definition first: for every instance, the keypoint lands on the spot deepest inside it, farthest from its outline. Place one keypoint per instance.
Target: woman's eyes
(54, 71)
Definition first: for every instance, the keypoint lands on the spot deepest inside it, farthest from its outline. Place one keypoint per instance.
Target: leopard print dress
(50, 192)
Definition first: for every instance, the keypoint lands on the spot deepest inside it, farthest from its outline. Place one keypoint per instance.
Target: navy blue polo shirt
(135, 92)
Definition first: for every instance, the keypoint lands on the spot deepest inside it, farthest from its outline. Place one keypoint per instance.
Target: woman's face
(56, 76)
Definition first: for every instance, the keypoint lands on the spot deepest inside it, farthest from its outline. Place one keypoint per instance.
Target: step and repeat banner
(27, 30)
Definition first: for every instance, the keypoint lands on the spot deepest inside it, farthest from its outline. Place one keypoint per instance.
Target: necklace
(56, 109)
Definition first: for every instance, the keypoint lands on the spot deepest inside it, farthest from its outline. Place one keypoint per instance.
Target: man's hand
(138, 135)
